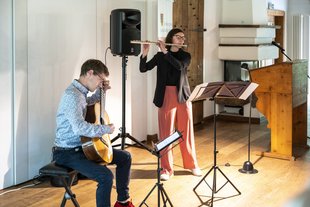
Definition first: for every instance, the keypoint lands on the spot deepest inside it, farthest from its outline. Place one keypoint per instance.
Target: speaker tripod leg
(115, 138)
(138, 142)
(123, 143)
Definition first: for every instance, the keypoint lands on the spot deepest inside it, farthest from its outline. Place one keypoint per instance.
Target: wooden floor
(275, 183)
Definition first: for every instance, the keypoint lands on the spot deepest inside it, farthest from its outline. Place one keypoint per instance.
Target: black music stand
(123, 135)
(219, 92)
(161, 194)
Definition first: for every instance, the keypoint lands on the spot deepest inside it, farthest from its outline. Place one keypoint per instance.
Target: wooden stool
(66, 175)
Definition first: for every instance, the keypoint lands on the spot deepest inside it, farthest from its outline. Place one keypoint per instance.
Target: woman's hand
(146, 48)
(162, 46)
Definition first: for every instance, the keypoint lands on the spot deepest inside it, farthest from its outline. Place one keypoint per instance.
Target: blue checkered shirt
(70, 119)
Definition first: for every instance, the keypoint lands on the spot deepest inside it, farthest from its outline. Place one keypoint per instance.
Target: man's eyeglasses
(179, 37)
(102, 79)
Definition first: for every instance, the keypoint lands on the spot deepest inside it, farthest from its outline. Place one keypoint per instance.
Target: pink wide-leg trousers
(174, 114)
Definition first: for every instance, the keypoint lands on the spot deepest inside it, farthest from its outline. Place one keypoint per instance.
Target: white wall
(61, 36)
(154, 30)
(6, 93)
(212, 67)
(51, 41)
(149, 32)
(20, 112)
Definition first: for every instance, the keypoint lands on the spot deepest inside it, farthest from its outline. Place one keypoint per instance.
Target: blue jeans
(100, 173)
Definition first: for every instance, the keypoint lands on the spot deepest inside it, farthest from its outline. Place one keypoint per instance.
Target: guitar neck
(102, 102)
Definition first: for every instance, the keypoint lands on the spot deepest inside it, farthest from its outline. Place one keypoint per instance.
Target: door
(188, 15)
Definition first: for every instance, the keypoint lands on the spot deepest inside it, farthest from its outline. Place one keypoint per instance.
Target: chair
(66, 176)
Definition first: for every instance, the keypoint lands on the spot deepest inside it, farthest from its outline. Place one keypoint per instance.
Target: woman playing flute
(171, 94)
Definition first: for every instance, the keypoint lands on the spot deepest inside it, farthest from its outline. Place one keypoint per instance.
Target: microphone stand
(247, 165)
(286, 55)
(281, 49)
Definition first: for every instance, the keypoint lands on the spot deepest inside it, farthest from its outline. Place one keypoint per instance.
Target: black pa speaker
(125, 25)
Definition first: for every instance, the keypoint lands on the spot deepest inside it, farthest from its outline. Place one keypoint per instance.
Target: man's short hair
(96, 65)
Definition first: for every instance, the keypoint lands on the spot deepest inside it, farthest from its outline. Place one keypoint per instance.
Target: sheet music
(198, 90)
(234, 89)
(164, 143)
(250, 89)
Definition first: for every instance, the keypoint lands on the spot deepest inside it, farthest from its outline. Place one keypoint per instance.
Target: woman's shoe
(165, 177)
(196, 172)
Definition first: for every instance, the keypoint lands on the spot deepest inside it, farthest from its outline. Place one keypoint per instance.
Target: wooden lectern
(282, 98)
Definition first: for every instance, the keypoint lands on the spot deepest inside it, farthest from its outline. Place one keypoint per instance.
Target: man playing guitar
(71, 126)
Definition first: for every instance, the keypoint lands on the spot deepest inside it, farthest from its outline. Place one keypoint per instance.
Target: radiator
(300, 36)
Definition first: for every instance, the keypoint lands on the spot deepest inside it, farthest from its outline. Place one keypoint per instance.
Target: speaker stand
(123, 135)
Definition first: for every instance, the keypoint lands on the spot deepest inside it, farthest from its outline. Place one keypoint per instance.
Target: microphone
(278, 46)
(281, 49)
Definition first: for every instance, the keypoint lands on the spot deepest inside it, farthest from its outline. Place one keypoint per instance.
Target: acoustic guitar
(98, 149)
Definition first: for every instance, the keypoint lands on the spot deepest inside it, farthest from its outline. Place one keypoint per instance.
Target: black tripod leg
(122, 136)
(229, 181)
(213, 186)
(164, 195)
(115, 138)
(123, 143)
(148, 195)
(204, 177)
(214, 167)
(139, 143)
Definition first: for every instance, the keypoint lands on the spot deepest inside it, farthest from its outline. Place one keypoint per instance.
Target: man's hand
(106, 85)
(112, 128)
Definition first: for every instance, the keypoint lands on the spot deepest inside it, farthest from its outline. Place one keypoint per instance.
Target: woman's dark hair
(96, 65)
(170, 35)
